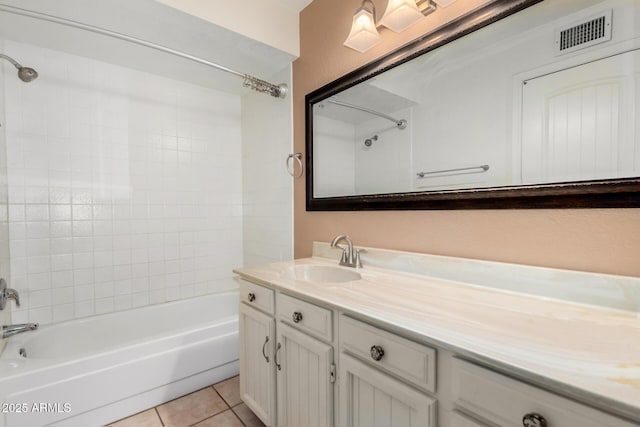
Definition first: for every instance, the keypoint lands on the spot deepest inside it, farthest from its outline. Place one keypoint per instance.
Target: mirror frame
(607, 193)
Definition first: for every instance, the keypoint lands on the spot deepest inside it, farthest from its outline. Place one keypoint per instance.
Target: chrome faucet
(6, 294)
(350, 255)
(11, 330)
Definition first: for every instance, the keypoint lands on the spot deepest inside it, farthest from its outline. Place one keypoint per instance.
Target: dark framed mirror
(518, 104)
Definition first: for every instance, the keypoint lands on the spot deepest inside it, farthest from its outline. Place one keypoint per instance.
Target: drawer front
(413, 362)
(460, 420)
(505, 402)
(257, 296)
(305, 316)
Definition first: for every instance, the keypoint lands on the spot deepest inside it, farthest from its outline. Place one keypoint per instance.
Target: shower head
(25, 74)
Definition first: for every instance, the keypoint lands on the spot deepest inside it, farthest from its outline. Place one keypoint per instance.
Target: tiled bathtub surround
(124, 187)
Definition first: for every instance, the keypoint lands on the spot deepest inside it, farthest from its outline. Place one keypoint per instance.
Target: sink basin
(324, 274)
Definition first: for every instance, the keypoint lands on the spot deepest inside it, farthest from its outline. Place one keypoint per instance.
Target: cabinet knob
(534, 420)
(376, 352)
(251, 297)
(297, 317)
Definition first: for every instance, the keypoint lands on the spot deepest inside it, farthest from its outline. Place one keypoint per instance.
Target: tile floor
(218, 405)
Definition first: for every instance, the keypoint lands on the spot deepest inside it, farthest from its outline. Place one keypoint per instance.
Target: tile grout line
(155, 408)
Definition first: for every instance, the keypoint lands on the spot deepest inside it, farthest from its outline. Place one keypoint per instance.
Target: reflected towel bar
(483, 168)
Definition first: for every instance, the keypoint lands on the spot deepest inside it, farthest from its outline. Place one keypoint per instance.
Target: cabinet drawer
(460, 420)
(257, 296)
(406, 359)
(305, 316)
(504, 401)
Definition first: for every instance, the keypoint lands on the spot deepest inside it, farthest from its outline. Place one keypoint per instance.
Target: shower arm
(13, 61)
(400, 124)
(251, 82)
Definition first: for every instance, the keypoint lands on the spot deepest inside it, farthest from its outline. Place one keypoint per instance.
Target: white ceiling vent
(588, 32)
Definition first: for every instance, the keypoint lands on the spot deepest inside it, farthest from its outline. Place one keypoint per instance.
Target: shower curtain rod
(251, 82)
(401, 124)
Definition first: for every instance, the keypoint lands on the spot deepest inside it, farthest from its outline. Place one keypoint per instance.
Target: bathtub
(93, 371)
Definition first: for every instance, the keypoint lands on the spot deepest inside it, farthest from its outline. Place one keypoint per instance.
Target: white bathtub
(93, 371)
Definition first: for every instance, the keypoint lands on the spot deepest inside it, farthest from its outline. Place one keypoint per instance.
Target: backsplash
(124, 187)
(604, 290)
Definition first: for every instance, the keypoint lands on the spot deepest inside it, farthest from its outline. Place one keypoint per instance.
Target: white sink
(324, 274)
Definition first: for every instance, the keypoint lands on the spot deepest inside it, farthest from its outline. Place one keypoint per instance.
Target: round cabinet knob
(534, 420)
(251, 297)
(297, 317)
(376, 352)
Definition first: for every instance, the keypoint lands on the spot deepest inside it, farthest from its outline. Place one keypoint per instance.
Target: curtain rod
(251, 82)
(401, 124)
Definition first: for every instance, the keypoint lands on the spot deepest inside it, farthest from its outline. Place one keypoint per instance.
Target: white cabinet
(258, 377)
(286, 374)
(305, 386)
(370, 398)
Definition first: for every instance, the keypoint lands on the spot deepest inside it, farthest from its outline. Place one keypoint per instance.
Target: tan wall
(600, 240)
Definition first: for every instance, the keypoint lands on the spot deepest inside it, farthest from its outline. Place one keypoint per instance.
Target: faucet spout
(350, 256)
(11, 330)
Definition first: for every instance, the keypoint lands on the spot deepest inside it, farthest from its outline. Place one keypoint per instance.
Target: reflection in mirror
(547, 95)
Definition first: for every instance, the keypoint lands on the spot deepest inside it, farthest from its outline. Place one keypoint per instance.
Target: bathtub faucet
(11, 330)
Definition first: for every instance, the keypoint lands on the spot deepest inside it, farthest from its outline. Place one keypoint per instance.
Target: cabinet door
(257, 370)
(305, 388)
(369, 398)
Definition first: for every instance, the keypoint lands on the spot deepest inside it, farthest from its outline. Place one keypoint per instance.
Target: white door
(257, 369)
(305, 388)
(370, 398)
(580, 123)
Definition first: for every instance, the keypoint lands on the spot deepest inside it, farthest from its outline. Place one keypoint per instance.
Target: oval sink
(324, 274)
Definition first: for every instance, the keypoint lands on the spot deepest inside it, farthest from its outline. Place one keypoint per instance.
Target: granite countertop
(587, 352)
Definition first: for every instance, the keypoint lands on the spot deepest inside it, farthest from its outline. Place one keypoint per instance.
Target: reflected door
(580, 123)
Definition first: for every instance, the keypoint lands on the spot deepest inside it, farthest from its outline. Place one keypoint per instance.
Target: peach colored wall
(599, 240)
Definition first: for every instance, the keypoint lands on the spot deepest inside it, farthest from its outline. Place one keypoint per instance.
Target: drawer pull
(278, 365)
(534, 420)
(376, 352)
(297, 317)
(266, 340)
(251, 297)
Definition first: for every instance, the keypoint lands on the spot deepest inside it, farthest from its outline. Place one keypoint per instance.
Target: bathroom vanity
(421, 340)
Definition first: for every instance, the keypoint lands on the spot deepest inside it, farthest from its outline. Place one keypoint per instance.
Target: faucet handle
(6, 294)
(358, 261)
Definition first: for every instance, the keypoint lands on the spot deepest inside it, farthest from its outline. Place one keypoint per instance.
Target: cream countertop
(586, 352)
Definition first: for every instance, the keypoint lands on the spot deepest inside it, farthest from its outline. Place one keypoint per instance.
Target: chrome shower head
(25, 74)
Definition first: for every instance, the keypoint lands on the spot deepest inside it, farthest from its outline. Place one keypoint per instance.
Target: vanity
(421, 340)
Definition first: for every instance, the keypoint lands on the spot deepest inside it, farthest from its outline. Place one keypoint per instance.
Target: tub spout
(11, 330)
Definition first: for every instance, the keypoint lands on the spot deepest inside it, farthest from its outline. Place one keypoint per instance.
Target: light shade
(444, 3)
(401, 14)
(363, 35)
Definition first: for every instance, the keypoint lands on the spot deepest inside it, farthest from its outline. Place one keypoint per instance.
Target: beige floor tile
(230, 390)
(191, 408)
(248, 418)
(148, 418)
(224, 419)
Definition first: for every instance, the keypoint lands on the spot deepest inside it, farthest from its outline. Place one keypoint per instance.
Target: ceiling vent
(595, 29)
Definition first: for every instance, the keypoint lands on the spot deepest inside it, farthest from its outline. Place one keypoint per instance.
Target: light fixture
(399, 15)
(364, 34)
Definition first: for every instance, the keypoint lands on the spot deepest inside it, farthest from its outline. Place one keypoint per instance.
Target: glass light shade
(401, 14)
(363, 35)
(444, 3)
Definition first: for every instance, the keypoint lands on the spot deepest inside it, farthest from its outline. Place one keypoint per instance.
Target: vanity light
(364, 34)
(399, 15)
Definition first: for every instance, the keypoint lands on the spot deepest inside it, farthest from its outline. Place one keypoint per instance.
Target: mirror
(498, 109)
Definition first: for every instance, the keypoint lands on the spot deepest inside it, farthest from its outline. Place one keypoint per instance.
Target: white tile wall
(124, 187)
(267, 188)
